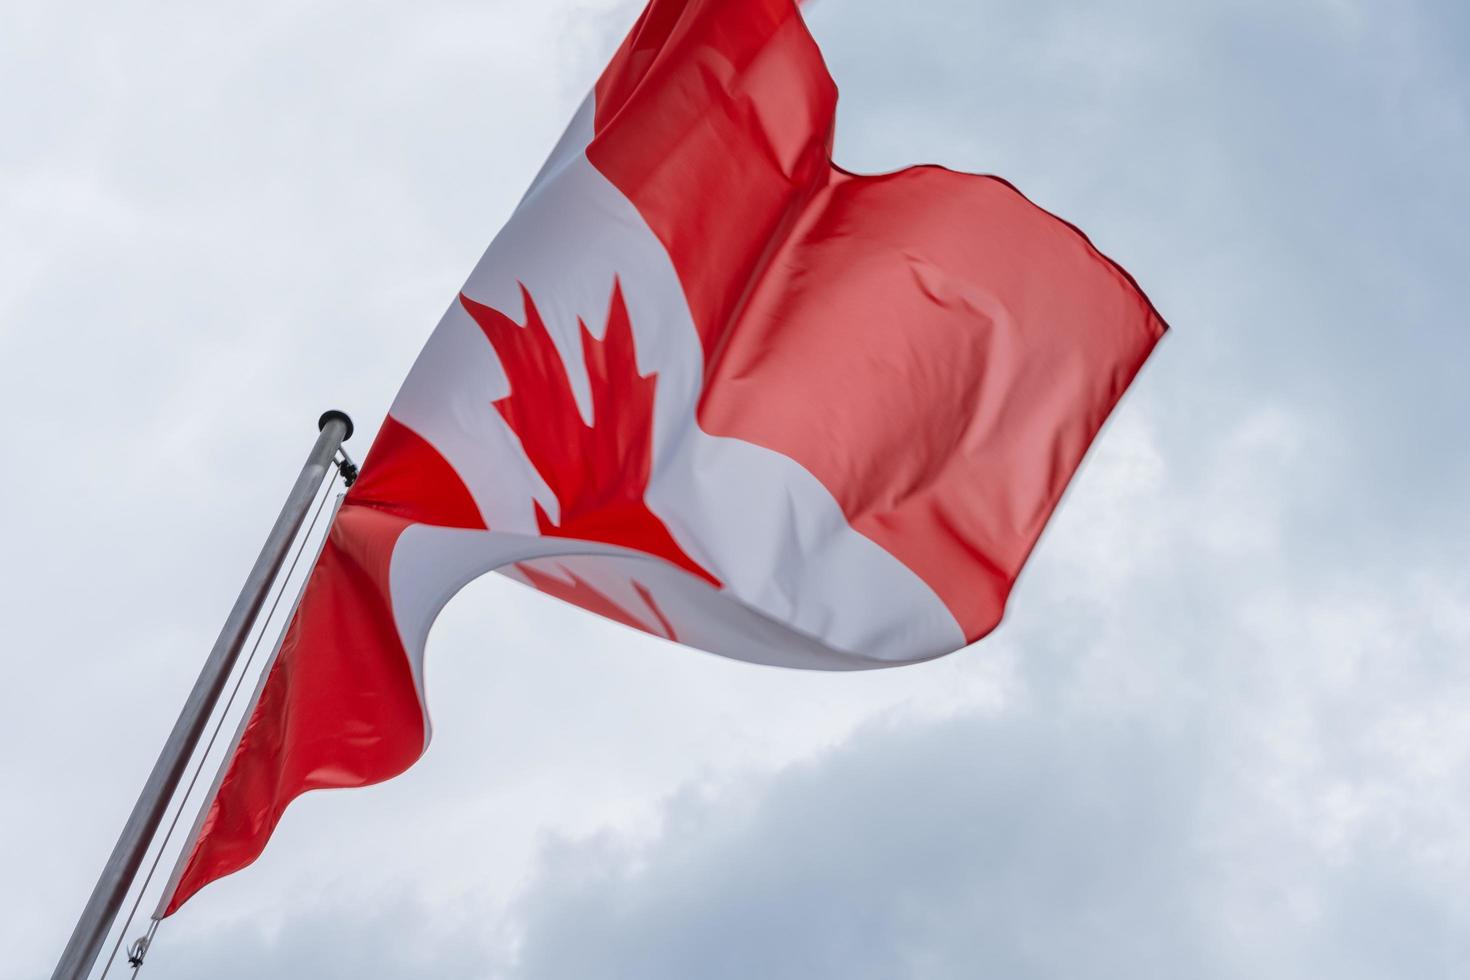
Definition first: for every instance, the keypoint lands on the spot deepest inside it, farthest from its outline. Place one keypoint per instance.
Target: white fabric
(801, 587)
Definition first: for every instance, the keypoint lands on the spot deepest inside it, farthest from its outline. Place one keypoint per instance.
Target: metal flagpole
(127, 855)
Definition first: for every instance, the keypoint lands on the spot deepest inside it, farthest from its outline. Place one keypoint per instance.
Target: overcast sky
(1224, 732)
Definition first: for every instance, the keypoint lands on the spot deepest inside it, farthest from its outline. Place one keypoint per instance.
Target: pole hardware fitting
(136, 951)
(333, 414)
(346, 467)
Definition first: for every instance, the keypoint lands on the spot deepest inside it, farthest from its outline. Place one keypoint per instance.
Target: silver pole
(127, 855)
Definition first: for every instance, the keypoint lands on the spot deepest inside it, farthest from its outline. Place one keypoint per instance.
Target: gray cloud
(1286, 822)
(958, 849)
(384, 936)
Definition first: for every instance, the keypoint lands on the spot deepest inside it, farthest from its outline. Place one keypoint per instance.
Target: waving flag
(709, 385)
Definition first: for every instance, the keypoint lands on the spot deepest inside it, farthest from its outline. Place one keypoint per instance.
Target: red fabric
(405, 476)
(339, 706)
(715, 120)
(932, 346)
(942, 385)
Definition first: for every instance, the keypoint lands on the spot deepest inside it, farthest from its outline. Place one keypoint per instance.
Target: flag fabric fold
(711, 386)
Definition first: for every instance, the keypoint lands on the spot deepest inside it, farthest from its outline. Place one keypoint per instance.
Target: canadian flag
(709, 385)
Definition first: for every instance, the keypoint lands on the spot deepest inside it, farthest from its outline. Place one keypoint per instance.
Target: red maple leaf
(599, 470)
(581, 593)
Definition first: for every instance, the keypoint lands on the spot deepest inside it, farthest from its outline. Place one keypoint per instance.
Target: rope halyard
(138, 949)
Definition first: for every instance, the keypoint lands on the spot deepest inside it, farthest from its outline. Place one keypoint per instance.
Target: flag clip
(347, 468)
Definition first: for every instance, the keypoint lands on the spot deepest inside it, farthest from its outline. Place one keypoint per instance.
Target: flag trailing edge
(707, 384)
